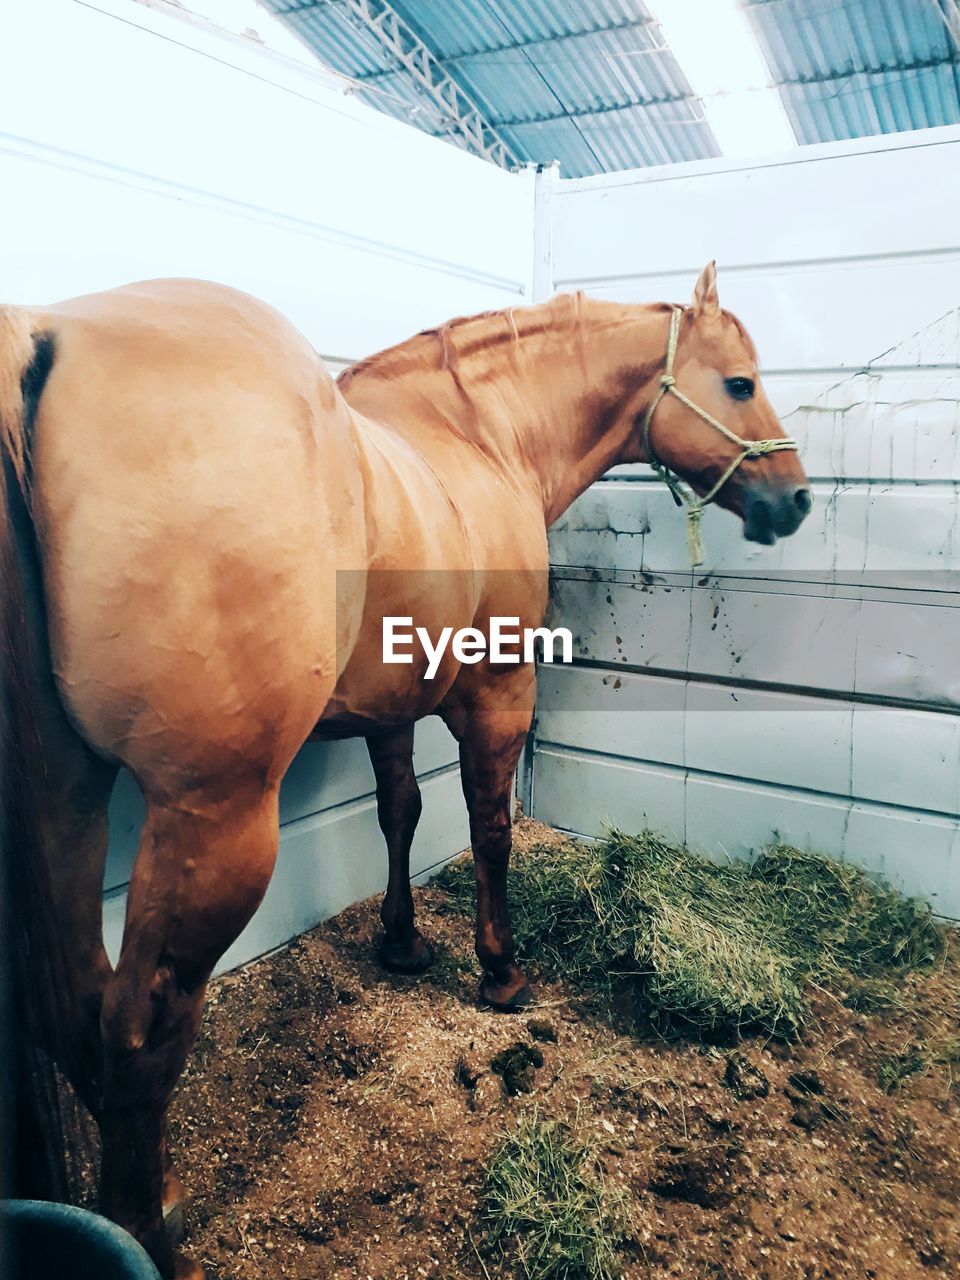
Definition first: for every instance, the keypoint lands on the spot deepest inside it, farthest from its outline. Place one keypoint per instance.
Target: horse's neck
(537, 391)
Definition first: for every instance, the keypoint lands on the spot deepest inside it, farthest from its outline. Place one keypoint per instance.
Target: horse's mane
(465, 335)
(485, 328)
(747, 340)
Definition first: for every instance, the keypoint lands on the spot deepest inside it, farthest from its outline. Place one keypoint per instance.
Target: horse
(202, 533)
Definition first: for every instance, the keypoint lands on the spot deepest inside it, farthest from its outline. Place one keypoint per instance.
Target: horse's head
(713, 425)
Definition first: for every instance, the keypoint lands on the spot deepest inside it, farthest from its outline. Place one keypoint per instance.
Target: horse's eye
(739, 388)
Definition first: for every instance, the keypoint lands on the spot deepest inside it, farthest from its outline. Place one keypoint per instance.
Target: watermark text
(507, 642)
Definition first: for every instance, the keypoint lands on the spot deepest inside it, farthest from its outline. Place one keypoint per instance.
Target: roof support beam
(466, 123)
(521, 46)
(581, 113)
(831, 77)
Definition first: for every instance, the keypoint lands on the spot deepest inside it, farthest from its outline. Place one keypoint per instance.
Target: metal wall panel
(826, 204)
(256, 172)
(809, 691)
(324, 776)
(627, 525)
(327, 861)
(802, 741)
(915, 849)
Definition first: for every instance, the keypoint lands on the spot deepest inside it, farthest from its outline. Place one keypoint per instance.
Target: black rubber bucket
(45, 1241)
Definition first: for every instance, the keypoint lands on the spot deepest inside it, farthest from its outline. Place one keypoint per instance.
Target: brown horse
(206, 530)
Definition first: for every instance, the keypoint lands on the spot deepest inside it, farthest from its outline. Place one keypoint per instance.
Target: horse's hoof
(401, 957)
(505, 997)
(173, 1222)
(173, 1198)
(185, 1268)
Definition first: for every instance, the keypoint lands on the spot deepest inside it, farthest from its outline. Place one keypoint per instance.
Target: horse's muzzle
(770, 513)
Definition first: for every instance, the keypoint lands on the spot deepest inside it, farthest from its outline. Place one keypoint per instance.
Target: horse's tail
(34, 977)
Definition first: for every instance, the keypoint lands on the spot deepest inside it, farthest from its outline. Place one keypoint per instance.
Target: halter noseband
(748, 448)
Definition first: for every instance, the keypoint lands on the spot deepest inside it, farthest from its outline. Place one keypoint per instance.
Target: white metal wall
(773, 691)
(137, 143)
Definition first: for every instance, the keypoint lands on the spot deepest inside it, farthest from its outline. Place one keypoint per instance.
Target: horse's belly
(375, 691)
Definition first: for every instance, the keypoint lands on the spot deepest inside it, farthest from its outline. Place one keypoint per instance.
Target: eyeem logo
(505, 643)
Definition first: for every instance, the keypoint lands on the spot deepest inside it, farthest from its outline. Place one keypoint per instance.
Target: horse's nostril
(804, 500)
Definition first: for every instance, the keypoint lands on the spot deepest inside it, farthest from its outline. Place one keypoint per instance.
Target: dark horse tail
(34, 974)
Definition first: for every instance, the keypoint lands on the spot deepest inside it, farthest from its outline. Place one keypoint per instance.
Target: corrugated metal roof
(859, 67)
(591, 85)
(865, 104)
(337, 41)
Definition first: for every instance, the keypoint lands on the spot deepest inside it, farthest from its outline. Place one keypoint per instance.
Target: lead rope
(748, 448)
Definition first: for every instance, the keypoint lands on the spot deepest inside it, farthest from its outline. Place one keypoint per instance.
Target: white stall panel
(812, 690)
(824, 204)
(327, 861)
(188, 152)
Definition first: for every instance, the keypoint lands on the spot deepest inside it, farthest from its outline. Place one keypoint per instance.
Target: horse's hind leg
(69, 969)
(200, 873)
(76, 792)
(398, 810)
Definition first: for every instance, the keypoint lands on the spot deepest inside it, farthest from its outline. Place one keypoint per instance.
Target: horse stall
(807, 689)
(736, 835)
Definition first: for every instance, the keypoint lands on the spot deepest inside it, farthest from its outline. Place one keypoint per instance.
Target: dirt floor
(335, 1120)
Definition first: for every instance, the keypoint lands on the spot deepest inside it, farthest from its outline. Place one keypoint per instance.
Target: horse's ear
(705, 299)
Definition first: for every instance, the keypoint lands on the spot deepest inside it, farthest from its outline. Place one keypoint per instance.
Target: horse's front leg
(398, 809)
(491, 727)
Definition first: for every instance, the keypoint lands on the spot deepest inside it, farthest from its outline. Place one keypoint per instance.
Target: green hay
(549, 1207)
(920, 1057)
(716, 948)
(893, 1071)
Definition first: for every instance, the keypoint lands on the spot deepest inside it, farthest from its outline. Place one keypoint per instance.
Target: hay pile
(712, 948)
(549, 1206)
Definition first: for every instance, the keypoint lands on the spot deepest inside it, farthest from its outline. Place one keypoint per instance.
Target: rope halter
(748, 448)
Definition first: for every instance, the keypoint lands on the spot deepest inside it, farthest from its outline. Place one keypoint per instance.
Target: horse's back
(195, 481)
